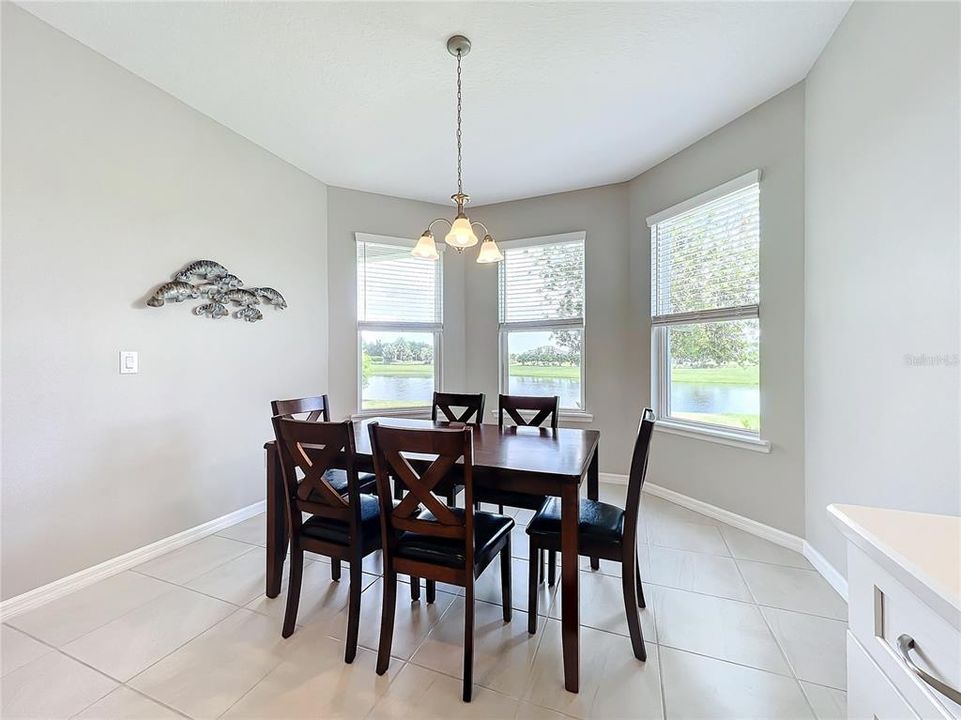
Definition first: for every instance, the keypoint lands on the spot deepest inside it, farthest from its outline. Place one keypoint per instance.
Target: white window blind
(704, 259)
(542, 282)
(395, 287)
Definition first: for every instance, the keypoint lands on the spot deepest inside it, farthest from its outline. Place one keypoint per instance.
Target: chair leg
(353, 608)
(398, 490)
(431, 591)
(451, 497)
(640, 588)
(630, 608)
(414, 588)
(540, 565)
(535, 568)
(293, 591)
(387, 621)
(468, 641)
(500, 509)
(506, 580)
(334, 569)
(595, 563)
(551, 567)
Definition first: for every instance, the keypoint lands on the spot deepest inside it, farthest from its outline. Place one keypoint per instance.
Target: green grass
(740, 421)
(569, 372)
(726, 375)
(401, 370)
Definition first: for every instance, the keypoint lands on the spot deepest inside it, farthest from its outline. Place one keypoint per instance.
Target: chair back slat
(458, 407)
(635, 481)
(545, 408)
(313, 448)
(396, 452)
(315, 408)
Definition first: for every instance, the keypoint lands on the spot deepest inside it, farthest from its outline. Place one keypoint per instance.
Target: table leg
(276, 523)
(593, 493)
(570, 610)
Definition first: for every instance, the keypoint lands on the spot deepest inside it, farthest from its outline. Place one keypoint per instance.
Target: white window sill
(576, 416)
(722, 437)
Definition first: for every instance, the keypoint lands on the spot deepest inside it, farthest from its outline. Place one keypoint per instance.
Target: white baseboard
(58, 588)
(778, 537)
(827, 570)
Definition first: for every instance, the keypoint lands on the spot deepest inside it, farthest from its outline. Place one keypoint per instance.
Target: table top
(564, 452)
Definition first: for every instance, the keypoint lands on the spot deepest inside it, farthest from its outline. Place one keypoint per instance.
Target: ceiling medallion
(461, 234)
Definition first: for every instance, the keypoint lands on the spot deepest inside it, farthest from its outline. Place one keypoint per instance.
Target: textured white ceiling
(557, 96)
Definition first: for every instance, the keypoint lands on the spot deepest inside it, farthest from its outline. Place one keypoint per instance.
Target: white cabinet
(870, 694)
(904, 614)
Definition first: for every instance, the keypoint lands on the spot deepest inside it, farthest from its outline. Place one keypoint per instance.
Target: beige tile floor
(736, 627)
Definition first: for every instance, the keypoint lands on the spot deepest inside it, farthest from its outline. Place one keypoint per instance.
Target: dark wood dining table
(539, 461)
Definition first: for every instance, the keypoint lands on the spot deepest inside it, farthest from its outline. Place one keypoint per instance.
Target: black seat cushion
(367, 483)
(599, 521)
(490, 530)
(338, 531)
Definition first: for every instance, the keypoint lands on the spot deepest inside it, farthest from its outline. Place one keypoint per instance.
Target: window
(704, 310)
(399, 323)
(541, 297)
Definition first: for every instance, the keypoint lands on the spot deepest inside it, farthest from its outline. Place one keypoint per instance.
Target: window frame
(661, 325)
(436, 329)
(505, 328)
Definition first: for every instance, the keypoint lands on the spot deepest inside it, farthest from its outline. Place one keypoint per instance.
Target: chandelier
(461, 234)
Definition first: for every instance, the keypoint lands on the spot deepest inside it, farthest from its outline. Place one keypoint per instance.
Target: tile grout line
(199, 575)
(777, 641)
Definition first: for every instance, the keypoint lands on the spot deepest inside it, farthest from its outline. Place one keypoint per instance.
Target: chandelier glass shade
(460, 235)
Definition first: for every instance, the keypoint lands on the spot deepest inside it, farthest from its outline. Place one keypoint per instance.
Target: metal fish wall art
(212, 310)
(206, 269)
(250, 314)
(219, 289)
(270, 296)
(175, 291)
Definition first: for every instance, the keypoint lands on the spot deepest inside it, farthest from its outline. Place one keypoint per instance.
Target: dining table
(540, 461)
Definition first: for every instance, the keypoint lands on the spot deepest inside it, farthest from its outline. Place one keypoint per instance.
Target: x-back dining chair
(317, 409)
(605, 531)
(540, 410)
(340, 527)
(465, 408)
(458, 407)
(443, 543)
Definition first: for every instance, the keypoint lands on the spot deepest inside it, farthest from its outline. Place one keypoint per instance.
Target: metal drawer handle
(906, 644)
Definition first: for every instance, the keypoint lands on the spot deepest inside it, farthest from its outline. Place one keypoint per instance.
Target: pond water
(715, 398)
(418, 390)
(685, 397)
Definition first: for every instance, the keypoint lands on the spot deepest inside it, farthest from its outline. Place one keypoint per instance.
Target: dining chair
(458, 407)
(605, 531)
(454, 407)
(541, 410)
(442, 543)
(342, 527)
(317, 409)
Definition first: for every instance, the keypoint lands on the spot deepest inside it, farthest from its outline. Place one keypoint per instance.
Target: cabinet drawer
(880, 611)
(871, 696)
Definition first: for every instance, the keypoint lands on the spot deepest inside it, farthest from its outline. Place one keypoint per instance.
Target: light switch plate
(129, 362)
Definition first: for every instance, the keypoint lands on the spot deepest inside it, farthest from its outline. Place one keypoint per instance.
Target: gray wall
(602, 213)
(350, 211)
(882, 266)
(109, 186)
(764, 487)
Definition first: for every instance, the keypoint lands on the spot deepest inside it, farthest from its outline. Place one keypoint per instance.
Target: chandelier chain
(460, 184)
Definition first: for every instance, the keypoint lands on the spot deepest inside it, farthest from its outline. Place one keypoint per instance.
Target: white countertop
(921, 550)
